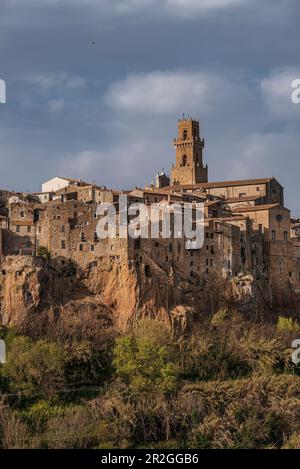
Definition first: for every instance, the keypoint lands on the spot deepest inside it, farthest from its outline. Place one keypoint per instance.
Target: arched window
(184, 160)
(185, 134)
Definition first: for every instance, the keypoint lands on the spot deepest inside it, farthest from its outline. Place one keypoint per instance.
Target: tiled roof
(255, 208)
(211, 185)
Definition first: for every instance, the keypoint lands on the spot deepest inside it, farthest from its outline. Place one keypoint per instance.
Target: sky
(95, 89)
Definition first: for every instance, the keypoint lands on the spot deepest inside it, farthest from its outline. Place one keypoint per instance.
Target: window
(285, 235)
(212, 250)
(185, 134)
(92, 247)
(22, 214)
(273, 234)
(80, 247)
(28, 229)
(40, 229)
(184, 160)
(147, 271)
(63, 244)
(18, 229)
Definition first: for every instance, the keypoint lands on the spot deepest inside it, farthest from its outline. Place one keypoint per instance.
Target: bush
(43, 252)
(288, 324)
(34, 368)
(143, 363)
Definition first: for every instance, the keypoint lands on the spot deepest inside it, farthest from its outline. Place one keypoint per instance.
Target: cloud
(56, 105)
(183, 8)
(171, 92)
(276, 92)
(191, 7)
(54, 80)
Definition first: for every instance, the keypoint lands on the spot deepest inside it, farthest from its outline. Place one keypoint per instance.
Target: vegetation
(228, 383)
(43, 252)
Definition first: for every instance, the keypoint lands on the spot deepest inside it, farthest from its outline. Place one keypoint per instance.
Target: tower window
(185, 134)
(184, 160)
(273, 234)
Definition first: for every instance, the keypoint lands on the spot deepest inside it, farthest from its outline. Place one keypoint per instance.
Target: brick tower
(188, 168)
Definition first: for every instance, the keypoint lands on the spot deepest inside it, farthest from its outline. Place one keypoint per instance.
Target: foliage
(144, 365)
(43, 252)
(35, 368)
(288, 324)
(228, 383)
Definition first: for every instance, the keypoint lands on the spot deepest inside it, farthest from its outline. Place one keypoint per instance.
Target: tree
(144, 364)
(35, 368)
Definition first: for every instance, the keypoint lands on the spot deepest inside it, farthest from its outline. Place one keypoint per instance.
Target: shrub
(287, 324)
(43, 252)
(143, 363)
(35, 368)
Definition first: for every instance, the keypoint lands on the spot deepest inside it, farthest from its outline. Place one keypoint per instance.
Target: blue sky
(108, 111)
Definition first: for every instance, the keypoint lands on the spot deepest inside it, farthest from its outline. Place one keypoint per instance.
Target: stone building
(247, 231)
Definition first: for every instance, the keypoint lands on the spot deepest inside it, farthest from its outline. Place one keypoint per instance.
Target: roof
(68, 179)
(156, 191)
(255, 208)
(247, 198)
(229, 219)
(240, 182)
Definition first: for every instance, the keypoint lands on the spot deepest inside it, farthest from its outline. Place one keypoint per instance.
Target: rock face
(248, 295)
(114, 295)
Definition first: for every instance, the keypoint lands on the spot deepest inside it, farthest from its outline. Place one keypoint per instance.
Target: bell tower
(188, 168)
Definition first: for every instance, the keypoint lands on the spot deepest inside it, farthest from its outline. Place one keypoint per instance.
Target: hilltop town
(52, 258)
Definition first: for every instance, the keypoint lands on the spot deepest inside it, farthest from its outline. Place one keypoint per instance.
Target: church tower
(188, 168)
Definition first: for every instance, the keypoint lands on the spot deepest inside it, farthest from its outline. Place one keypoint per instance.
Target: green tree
(35, 368)
(144, 364)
